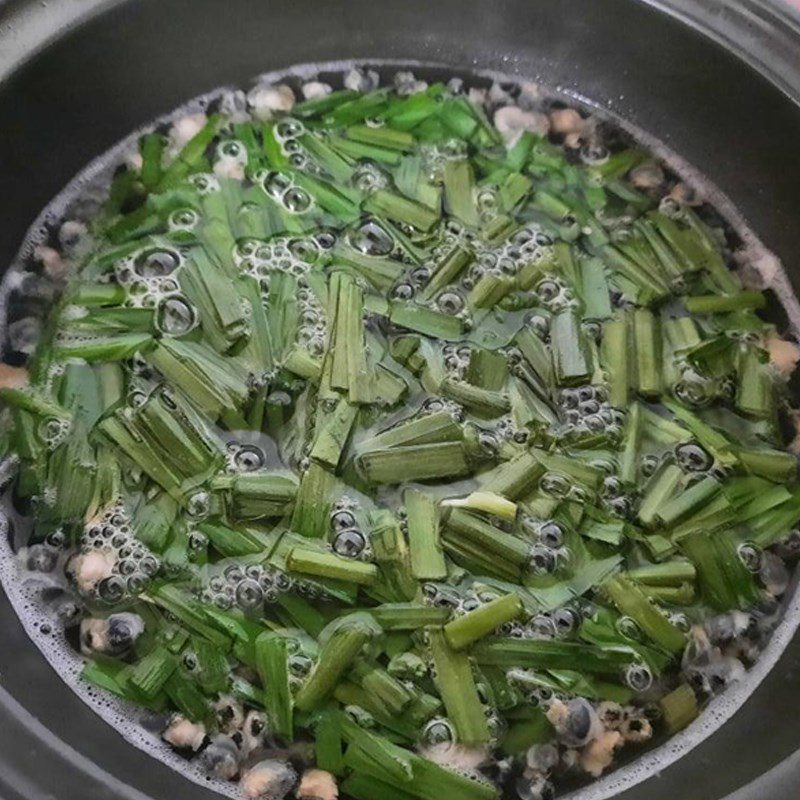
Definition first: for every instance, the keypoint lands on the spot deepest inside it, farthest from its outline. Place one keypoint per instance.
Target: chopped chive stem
(425, 320)
(632, 602)
(505, 545)
(401, 209)
(257, 496)
(615, 358)
(660, 489)
(459, 191)
(670, 573)
(311, 515)
(721, 304)
(456, 683)
(515, 478)
(151, 147)
(335, 657)
(437, 427)
(391, 693)
(389, 547)
(408, 616)
(722, 577)
(272, 663)
(544, 654)
(771, 464)
(687, 501)
(329, 565)
(384, 137)
(678, 708)
(427, 557)
(714, 441)
(150, 673)
(647, 344)
(448, 270)
(331, 440)
(97, 294)
(489, 290)
(482, 401)
(754, 387)
(469, 628)
(414, 463)
(28, 400)
(488, 503)
(682, 595)
(569, 348)
(328, 742)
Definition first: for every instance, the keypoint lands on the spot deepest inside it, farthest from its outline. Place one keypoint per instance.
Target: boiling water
(42, 598)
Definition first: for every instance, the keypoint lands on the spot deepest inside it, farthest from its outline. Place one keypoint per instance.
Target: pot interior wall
(140, 59)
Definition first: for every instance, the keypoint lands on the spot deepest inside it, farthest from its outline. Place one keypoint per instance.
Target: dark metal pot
(717, 80)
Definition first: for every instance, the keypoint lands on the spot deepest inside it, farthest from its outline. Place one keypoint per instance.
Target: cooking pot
(717, 80)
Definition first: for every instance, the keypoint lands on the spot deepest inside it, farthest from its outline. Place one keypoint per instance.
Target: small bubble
(156, 263)
(450, 302)
(276, 183)
(249, 458)
(371, 239)
(174, 316)
(296, 200)
(438, 731)
(249, 595)
(199, 504)
(349, 543)
(183, 219)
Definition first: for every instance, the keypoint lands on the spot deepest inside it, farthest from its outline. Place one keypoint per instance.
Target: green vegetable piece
(272, 663)
(335, 657)
(632, 602)
(456, 684)
(414, 463)
(384, 203)
(333, 434)
(150, 673)
(569, 353)
(329, 565)
(678, 708)
(469, 628)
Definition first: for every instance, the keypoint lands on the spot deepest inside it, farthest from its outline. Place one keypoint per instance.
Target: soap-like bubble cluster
(456, 359)
(442, 595)
(549, 549)
(283, 189)
(347, 535)
(372, 239)
(53, 431)
(245, 586)
(182, 222)
(112, 563)
(439, 730)
(312, 330)
(561, 486)
(436, 156)
(150, 277)
(698, 390)
(693, 458)
(586, 410)
(288, 133)
(434, 405)
(260, 259)
(369, 177)
(529, 250)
